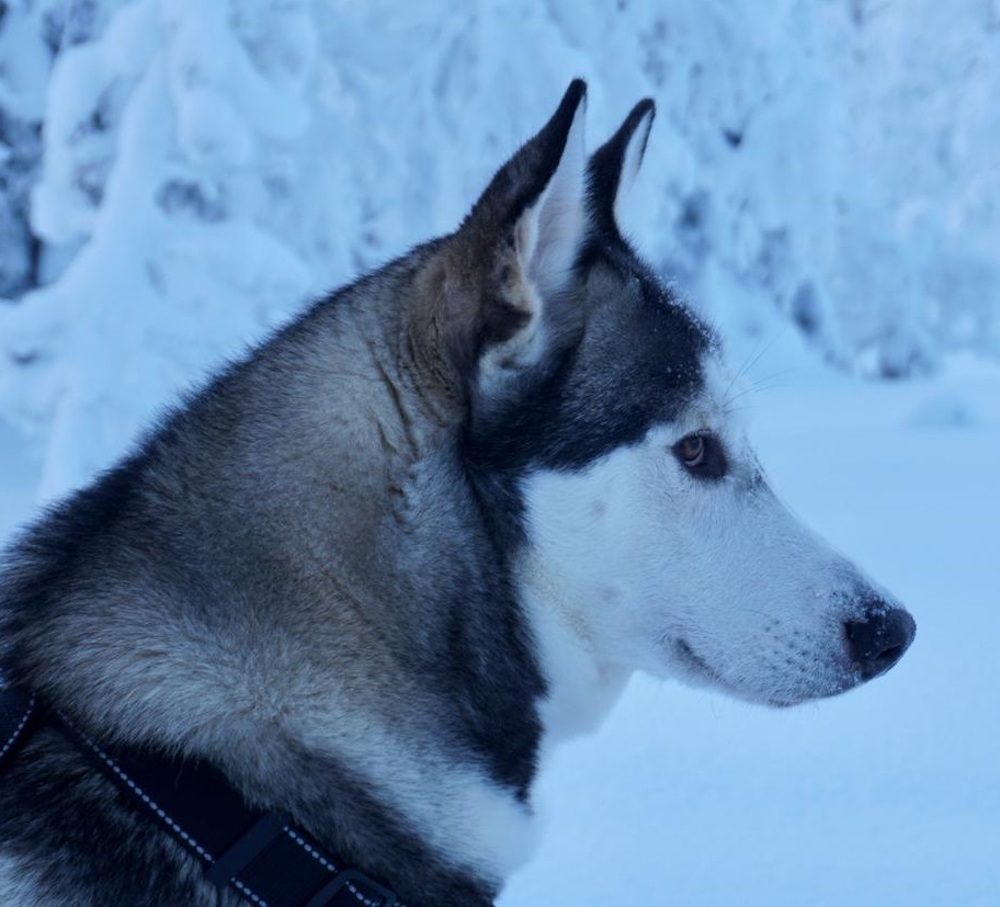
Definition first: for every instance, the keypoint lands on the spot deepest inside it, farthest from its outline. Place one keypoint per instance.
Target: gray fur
(308, 574)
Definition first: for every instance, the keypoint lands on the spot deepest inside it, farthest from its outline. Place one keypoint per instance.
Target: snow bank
(827, 165)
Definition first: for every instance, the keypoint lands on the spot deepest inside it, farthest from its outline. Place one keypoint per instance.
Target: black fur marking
(636, 365)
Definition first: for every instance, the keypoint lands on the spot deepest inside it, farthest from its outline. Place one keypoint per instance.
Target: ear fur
(615, 165)
(550, 231)
(518, 247)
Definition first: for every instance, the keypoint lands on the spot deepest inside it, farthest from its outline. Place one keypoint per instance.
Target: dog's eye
(703, 455)
(691, 450)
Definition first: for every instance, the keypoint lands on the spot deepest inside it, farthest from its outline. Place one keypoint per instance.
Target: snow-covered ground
(887, 795)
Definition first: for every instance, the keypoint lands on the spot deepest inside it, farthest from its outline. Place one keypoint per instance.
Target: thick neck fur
(300, 551)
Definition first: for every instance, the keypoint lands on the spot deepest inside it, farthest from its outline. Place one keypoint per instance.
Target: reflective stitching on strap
(244, 889)
(152, 804)
(174, 827)
(237, 883)
(20, 727)
(368, 903)
(327, 865)
(315, 854)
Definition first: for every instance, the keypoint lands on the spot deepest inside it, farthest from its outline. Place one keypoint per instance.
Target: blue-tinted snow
(834, 160)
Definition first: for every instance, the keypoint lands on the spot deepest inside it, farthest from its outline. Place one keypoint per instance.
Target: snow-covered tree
(207, 165)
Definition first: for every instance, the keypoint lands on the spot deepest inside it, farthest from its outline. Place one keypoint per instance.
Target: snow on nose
(879, 640)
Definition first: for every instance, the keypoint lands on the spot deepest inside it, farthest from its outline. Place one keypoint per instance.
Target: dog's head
(601, 421)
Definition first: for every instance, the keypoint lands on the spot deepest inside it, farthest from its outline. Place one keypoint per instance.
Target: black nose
(879, 641)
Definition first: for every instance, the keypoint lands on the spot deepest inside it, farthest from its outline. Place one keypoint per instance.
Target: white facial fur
(635, 563)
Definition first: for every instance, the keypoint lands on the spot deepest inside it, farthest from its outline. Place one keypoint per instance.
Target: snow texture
(178, 176)
(207, 165)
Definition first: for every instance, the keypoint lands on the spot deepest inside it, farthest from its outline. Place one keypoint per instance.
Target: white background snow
(823, 178)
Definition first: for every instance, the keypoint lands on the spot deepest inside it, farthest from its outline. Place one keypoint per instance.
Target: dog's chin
(692, 669)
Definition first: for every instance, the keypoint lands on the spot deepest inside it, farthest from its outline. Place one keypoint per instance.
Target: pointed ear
(518, 248)
(615, 165)
(550, 230)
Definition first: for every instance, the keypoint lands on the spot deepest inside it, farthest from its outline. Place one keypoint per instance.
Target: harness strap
(262, 855)
(17, 709)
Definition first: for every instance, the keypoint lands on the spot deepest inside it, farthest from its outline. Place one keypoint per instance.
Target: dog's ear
(614, 166)
(514, 255)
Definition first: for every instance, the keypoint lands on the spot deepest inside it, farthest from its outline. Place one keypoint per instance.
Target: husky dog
(371, 572)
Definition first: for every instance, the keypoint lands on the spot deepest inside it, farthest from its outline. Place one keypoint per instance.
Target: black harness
(263, 856)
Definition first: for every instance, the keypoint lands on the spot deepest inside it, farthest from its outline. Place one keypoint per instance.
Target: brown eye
(692, 450)
(703, 455)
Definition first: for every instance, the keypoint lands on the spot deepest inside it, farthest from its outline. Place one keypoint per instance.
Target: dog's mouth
(694, 667)
(698, 672)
